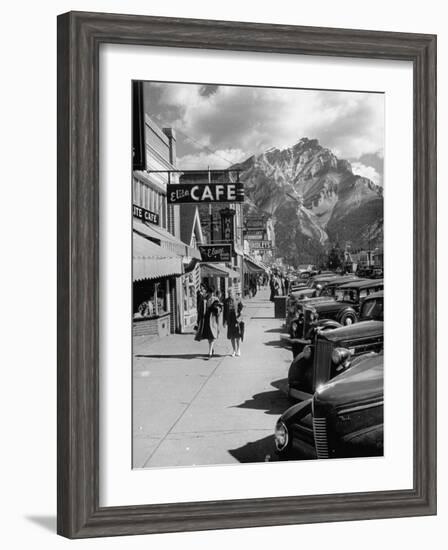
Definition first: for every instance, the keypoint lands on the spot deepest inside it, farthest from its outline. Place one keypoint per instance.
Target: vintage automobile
(372, 307)
(300, 281)
(300, 313)
(344, 417)
(329, 287)
(305, 371)
(318, 289)
(307, 268)
(344, 306)
(325, 354)
(318, 280)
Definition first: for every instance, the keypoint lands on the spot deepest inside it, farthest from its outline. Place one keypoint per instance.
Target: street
(192, 410)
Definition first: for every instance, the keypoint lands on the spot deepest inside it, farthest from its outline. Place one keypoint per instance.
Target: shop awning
(151, 261)
(218, 270)
(163, 238)
(252, 266)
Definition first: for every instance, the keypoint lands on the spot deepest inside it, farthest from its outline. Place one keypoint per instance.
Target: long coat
(208, 319)
(232, 312)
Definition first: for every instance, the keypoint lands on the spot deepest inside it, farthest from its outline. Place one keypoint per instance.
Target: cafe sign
(181, 193)
(145, 215)
(216, 253)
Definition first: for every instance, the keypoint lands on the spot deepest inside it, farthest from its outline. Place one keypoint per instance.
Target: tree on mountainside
(335, 257)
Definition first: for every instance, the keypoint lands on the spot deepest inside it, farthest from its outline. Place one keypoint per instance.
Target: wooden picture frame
(79, 38)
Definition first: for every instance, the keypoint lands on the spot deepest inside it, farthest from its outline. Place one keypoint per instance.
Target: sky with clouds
(220, 125)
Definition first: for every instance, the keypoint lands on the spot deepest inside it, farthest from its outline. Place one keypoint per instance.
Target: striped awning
(163, 238)
(218, 270)
(151, 261)
(252, 266)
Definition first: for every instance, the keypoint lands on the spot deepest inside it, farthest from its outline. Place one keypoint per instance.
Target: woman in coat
(208, 321)
(232, 318)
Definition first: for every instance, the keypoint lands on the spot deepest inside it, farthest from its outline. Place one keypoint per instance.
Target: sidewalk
(191, 410)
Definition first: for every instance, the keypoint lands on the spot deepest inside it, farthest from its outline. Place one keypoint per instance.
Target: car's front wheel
(348, 318)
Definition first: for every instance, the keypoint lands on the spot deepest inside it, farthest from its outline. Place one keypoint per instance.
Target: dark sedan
(343, 419)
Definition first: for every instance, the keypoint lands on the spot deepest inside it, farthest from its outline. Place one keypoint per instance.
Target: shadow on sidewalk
(262, 450)
(179, 356)
(271, 402)
(277, 330)
(276, 344)
(270, 318)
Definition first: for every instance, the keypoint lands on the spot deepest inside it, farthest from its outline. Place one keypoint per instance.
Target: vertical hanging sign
(138, 127)
(227, 225)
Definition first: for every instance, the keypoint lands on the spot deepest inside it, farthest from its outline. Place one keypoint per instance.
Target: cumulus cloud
(220, 159)
(251, 120)
(367, 172)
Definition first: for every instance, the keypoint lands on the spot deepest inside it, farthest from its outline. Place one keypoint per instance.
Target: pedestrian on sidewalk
(232, 318)
(208, 320)
(274, 286)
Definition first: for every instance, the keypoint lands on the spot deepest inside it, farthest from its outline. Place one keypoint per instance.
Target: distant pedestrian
(232, 318)
(287, 286)
(274, 286)
(209, 319)
(282, 284)
(253, 286)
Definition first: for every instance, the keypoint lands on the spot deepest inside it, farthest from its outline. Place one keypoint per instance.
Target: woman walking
(208, 319)
(275, 286)
(232, 318)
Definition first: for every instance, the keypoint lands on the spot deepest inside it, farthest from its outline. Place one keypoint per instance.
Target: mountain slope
(314, 198)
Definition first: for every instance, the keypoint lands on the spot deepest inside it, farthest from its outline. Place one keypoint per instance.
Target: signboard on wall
(145, 215)
(181, 193)
(254, 223)
(254, 235)
(216, 253)
(261, 245)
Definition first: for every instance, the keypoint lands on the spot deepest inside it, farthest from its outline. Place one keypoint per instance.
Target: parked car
(347, 300)
(329, 352)
(318, 280)
(301, 280)
(301, 314)
(372, 307)
(344, 418)
(307, 267)
(377, 273)
(328, 287)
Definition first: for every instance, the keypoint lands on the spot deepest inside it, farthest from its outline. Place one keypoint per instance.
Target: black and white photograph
(257, 292)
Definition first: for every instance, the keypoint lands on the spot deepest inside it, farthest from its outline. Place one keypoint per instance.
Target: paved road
(189, 410)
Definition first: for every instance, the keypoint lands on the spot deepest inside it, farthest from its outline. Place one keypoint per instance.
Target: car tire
(348, 319)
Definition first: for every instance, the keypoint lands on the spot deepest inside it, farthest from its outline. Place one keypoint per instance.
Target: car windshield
(349, 295)
(372, 309)
(328, 291)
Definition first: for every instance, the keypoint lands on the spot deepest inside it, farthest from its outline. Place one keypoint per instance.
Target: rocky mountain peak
(314, 193)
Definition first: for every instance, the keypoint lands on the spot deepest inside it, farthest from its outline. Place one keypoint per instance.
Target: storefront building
(163, 265)
(221, 222)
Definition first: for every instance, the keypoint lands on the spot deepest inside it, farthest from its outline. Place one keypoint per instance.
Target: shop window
(150, 299)
(189, 292)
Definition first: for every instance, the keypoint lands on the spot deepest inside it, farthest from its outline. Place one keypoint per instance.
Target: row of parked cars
(335, 326)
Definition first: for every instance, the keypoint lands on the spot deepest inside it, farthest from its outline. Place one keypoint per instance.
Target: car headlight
(281, 435)
(307, 352)
(340, 356)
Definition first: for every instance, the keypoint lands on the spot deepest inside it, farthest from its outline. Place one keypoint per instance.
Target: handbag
(241, 327)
